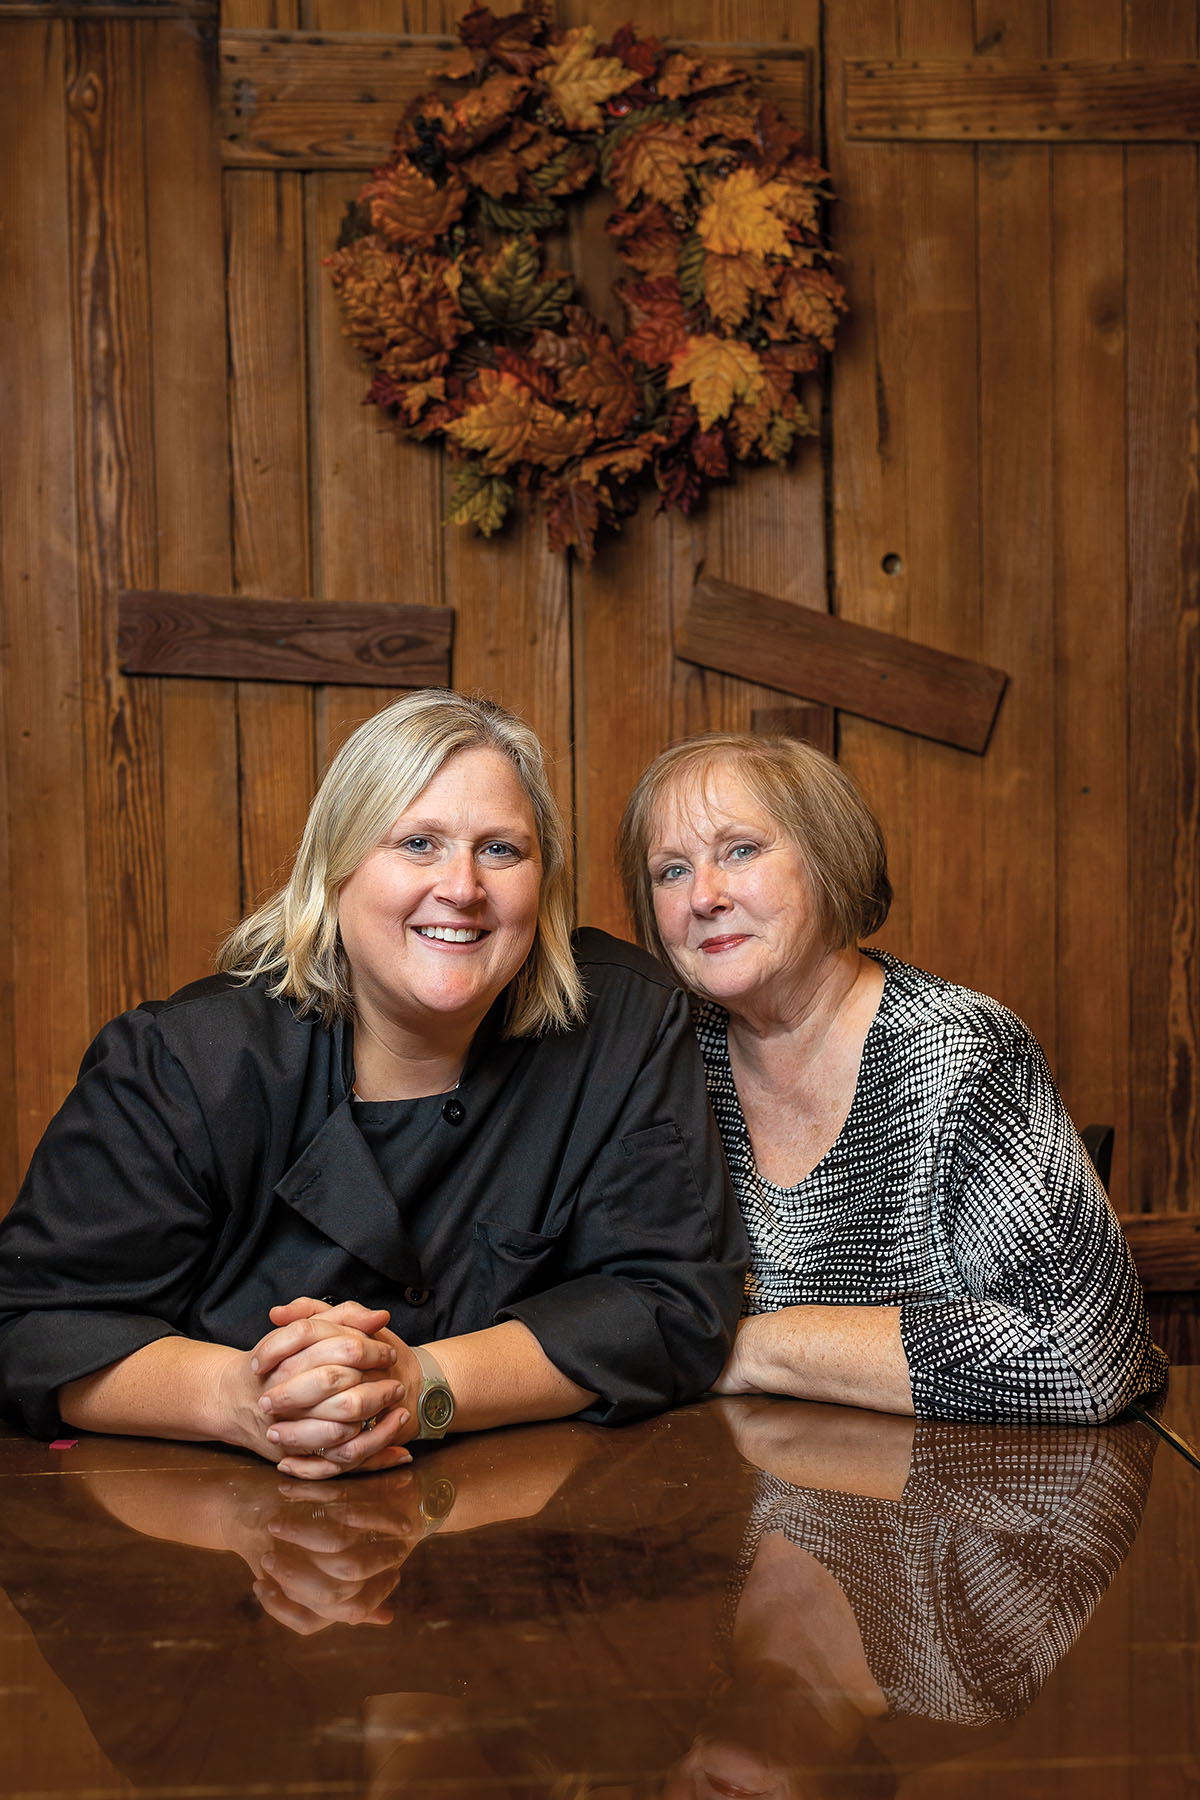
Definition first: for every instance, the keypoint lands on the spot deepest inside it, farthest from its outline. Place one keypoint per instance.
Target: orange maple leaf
(578, 81)
(423, 327)
(572, 510)
(682, 74)
(657, 323)
(729, 283)
(731, 116)
(495, 170)
(622, 462)
(408, 207)
(480, 111)
(809, 301)
(509, 424)
(716, 372)
(605, 383)
(741, 216)
(655, 160)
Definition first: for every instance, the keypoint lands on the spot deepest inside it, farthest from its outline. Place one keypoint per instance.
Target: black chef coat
(209, 1164)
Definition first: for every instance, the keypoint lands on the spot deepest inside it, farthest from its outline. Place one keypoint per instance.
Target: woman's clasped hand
(331, 1385)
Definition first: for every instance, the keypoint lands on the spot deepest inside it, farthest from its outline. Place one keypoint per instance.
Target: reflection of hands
(335, 1559)
(334, 1386)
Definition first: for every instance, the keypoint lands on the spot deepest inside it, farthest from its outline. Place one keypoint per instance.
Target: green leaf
(479, 500)
(511, 294)
(690, 269)
(535, 215)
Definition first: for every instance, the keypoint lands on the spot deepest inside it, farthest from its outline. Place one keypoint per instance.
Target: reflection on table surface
(750, 1597)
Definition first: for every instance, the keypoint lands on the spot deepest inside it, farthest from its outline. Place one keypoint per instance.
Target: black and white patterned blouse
(959, 1191)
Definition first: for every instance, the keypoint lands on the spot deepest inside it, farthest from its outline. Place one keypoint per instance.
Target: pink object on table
(64, 1443)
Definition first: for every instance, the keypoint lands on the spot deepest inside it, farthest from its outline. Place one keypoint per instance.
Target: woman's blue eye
(738, 852)
(416, 844)
(500, 849)
(672, 872)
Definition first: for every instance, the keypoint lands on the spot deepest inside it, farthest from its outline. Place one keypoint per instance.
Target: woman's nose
(459, 879)
(708, 891)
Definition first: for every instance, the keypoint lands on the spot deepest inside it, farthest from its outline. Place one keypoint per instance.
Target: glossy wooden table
(750, 1597)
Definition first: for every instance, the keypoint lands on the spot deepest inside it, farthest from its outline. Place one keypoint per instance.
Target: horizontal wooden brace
(1166, 1249)
(1039, 102)
(312, 641)
(332, 100)
(815, 656)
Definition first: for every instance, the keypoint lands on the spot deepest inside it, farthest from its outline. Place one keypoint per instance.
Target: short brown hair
(813, 801)
(378, 772)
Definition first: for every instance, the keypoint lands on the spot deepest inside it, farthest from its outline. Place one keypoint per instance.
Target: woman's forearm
(502, 1376)
(172, 1388)
(849, 1354)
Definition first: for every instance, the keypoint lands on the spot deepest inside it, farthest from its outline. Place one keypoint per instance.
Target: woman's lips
(714, 945)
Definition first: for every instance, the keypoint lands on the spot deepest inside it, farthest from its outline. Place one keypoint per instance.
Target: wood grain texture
(332, 100)
(870, 421)
(268, 397)
(376, 502)
(191, 472)
(939, 391)
(318, 101)
(1092, 928)
(41, 738)
(283, 640)
(1166, 1249)
(814, 724)
(1030, 100)
(852, 667)
(1016, 504)
(1163, 421)
(117, 517)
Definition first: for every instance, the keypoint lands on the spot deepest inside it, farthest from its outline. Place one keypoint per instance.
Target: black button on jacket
(209, 1164)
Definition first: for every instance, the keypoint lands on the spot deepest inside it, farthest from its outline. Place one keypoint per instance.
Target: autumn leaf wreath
(474, 341)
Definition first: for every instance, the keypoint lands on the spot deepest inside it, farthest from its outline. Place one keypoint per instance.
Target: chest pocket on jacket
(649, 1187)
(514, 1264)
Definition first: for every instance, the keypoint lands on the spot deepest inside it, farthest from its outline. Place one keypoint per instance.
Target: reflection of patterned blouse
(970, 1589)
(959, 1191)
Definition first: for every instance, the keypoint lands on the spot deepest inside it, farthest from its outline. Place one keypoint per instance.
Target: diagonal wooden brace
(819, 657)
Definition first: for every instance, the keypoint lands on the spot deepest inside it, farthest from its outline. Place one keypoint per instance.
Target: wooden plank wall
(1007, 471)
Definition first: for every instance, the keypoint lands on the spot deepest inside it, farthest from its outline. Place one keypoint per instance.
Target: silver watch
(435, 1402)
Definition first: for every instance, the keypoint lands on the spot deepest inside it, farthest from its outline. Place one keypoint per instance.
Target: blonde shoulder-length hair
(809, 797)
(379, 771)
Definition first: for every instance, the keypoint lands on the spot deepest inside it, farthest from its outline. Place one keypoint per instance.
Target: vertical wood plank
(376, 502)
(766, 530)
(268, 387)
(191, 466)
(1163, 299)
(869, 499)
(117, 522)
(269, 445)
(1017, 546)
(1090, 581)
(941, 400)
(46, 947)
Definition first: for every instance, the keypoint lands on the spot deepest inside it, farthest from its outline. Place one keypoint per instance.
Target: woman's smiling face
(733, 898)
(438, 919)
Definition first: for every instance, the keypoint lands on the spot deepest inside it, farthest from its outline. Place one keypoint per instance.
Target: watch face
(437, 1407)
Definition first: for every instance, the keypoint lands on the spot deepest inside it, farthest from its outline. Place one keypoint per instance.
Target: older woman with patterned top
(928, 1234)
